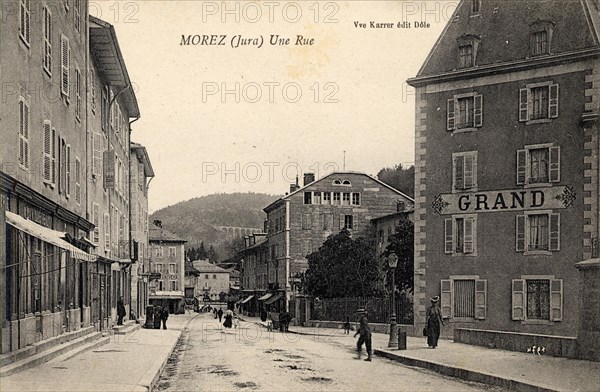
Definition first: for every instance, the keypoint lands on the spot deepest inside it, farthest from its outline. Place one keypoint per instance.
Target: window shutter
(26, 136)
(556, 299)
(342, 221)
(468, 171)
(446, 298)
(96, 222)
(518, 299)
(448, 235)
(53, 156)
(468, 246)
(478, 110)
(521, 166)
(520, 233)
(97, 154)
(459, 179)
(480, 299)
(47, 152)
(65, 60)
(555, 232)
(450, 121)
(523, 105)
(77, 180)
(554, 164)
(106, 231)
(355, 222)
(68, 170)
(553, 101)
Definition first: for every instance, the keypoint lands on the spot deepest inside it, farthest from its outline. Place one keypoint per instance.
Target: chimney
(158, 223)
(309, 178)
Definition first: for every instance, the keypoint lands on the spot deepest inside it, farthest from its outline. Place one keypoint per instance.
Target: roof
(259, 244)
(503, 28)
(204, 266)
(107, 55)
(142, 153)
(158, 234)
(392, 215)
(278, 201)
(190, 269)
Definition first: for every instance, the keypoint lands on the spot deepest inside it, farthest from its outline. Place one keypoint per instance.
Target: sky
(229, 118)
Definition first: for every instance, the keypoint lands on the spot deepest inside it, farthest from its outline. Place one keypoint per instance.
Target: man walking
(164, 316)
(364, 330)
(220, 314)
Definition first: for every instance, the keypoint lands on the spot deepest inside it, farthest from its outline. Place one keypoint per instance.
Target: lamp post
(392, 260)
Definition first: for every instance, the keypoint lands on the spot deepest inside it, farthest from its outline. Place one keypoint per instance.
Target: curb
(467, 374)
(148, 381)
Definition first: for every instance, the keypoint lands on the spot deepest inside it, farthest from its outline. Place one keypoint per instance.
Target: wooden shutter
(553, 101)
(47, 16)
(556, 299)
(459, 172)
(451, 120)
(468, 171)
(446, 299)
(524, 105)
(554, 164)
(68, 170)
(96, 222)
(342, 221)
(521, 166)
(480, 299)
(54, 156)
(518, 299)
(520, 233)
(478, 110)
(47, 152)
(65, 55)
(554, 232)
(448, 238)
(106, 231)
(468, 245)
(77, 180)
(355, 222)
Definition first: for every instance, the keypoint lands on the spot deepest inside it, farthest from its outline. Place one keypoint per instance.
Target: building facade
(212, 280)
(301, 221)
(167, 258)
(254, 272)
(507, 165)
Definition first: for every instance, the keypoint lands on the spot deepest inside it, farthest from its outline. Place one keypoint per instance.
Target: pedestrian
(434, 322)
(215, 312)
(157, 316)
(347, 326)
(220, 314)
(228, 319)
(120, 311)
(364, 330)
(164, 316)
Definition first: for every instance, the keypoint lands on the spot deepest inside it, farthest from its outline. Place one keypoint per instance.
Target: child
(347, 326)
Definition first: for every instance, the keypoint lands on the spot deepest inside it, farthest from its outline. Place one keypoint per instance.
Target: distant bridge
(237, 232)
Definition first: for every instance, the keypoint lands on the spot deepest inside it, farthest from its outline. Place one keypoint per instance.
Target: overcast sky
(299, 108)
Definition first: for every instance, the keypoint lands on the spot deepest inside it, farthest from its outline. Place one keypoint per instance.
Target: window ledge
(474, 254)
(538, 184)
(464, 130)
(465, 190)
(537, 253)
(539, 121)
(537, 322)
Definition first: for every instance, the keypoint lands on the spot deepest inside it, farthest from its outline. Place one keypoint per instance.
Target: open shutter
(554, 164)
(554, 232)
(520, 233)
(342, 221)
(553, 101)
(468, 235)
(446, 298)
(480, 299)
(47, 152)
(451, 121)
(68, 169)
(65, 54)
(53, 142)
(518, 299)
(521, 166)
(459, 172)
(468, 171)
(478, 110)
(106, 231)
(448, 235)
(556, 299)
(523, 105)
(355, 222)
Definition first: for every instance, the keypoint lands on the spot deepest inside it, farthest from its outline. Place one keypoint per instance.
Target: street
(209, 358)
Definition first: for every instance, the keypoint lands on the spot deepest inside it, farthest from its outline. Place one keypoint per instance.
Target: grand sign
(547, 198)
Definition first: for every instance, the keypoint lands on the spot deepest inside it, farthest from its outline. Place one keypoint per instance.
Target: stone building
(212, 281)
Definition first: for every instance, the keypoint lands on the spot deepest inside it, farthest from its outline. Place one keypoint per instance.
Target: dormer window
(541, 37)
(467, 50)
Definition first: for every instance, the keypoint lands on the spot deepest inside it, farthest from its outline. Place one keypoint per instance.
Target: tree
(342, 267)
(400, 178)
(402, 243)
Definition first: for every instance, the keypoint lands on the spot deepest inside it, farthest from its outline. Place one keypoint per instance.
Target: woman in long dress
(434, 322)
(228, 319)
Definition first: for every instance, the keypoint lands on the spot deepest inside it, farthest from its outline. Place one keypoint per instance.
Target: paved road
(210, 358)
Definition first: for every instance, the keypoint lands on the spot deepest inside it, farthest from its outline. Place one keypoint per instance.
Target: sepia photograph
(300, 195)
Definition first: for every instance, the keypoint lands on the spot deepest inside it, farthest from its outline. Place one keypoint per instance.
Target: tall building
(507, 150)
(299, 223)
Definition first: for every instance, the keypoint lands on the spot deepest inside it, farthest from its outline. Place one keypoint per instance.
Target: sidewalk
(507, 369)
(130, 362)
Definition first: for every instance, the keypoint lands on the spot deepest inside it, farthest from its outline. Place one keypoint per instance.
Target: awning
(266, 296)
(47, 235)
(273, 299)
(247, 299)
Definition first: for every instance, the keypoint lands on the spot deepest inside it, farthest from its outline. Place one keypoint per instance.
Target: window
(205, 277)
(76, 15)
(214, 276)
(465, 56)
(461, 235)
(172, 268)
(539, 231)
(539, 42)
(464, 297)
(348, 222)
(326, 198)
(96, 222)
(23, 133)
(160, 285)
(159, 252)
(327, 221)
(336, 198)
(78, 95)
(475, 6)
(464, 171)
(540, 37)
(346, 199)
(48, 146)
(306, 221)
(465, 111)
(307, 247)
(537, 298)
(346, 183)
(538, 102)
(47, 62)
(24, 21)
(316, 197)
(172, 251)
(65, 56)
(307, 197)
(337, 182)
(538, 164)
(355, 199)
